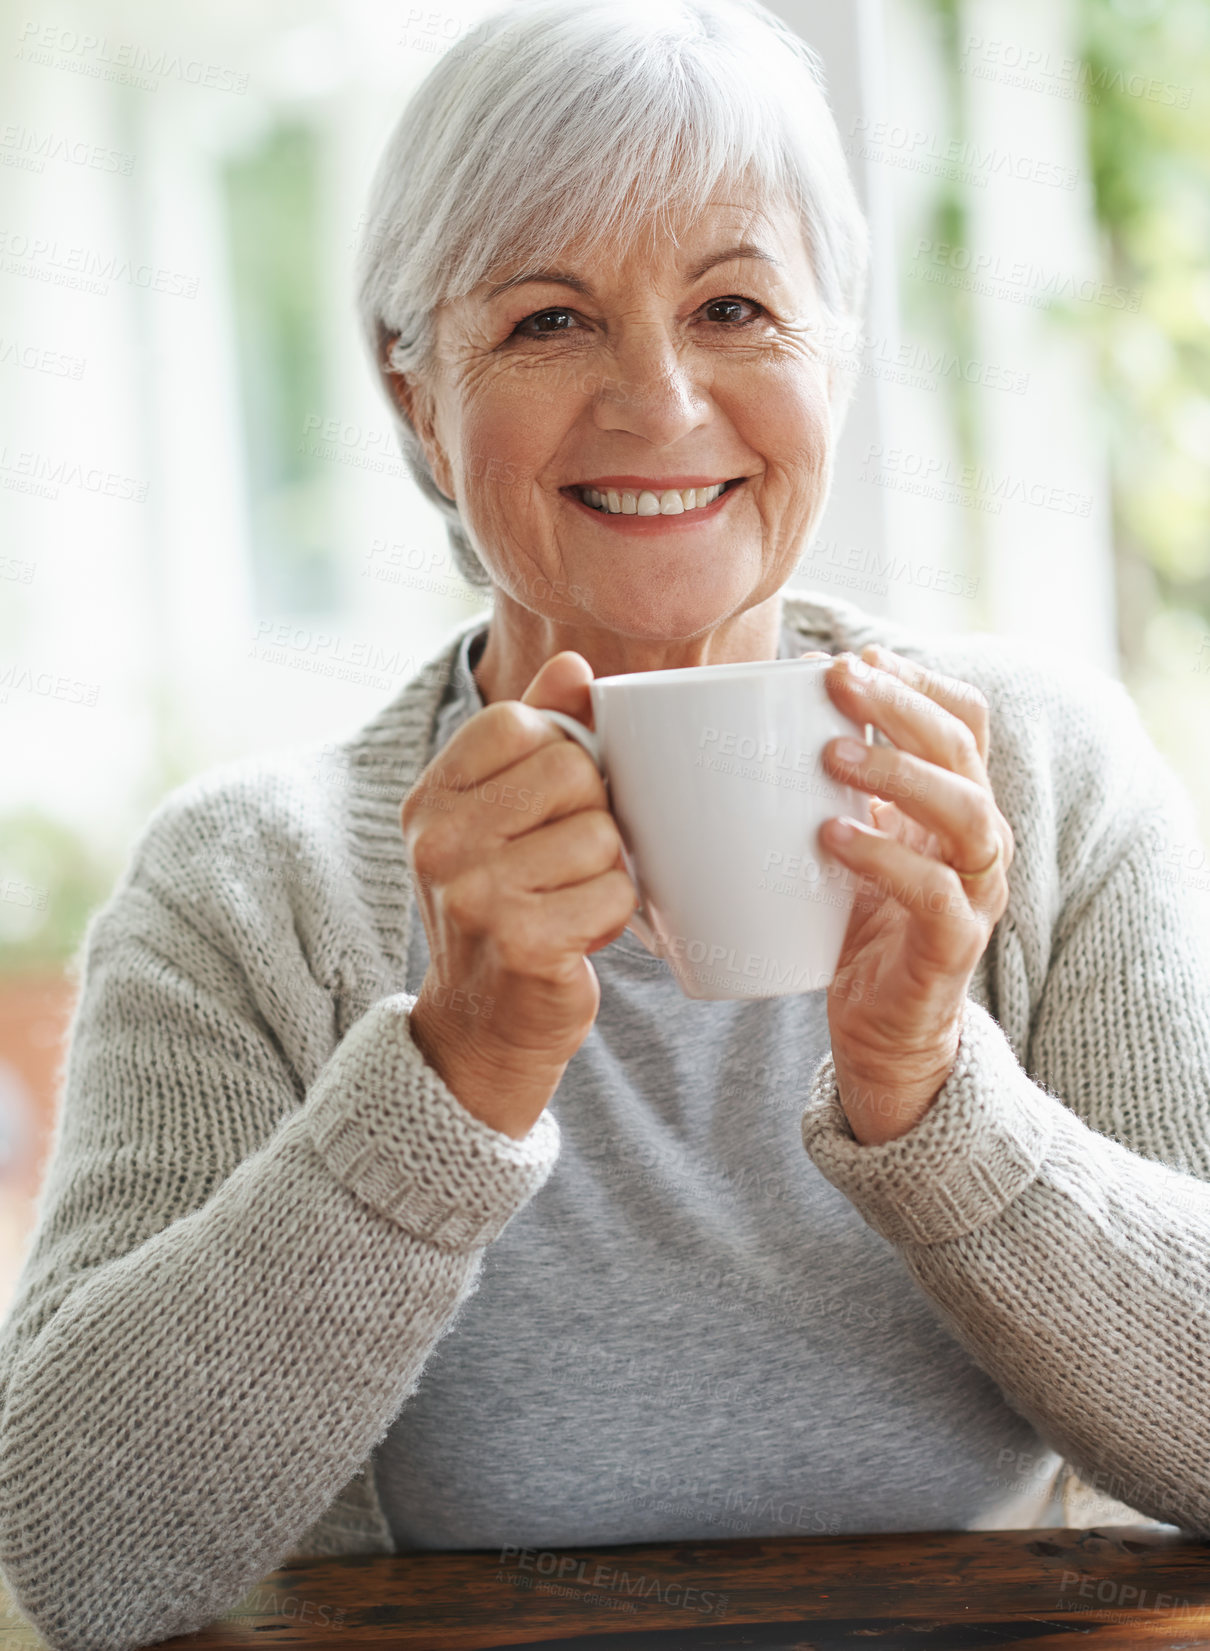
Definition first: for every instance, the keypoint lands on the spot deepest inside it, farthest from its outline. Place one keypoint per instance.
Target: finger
(450, 822)
(960, 699)
(543, 930)
(509, 729)
(562, 683)
(565, 852)
(910, 719)
(961, 812)
(887, 818)
(485, 747)
(820, 653)
(952, 930)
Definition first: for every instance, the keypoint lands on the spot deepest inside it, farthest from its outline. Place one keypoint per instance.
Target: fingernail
(850, 750)
(856, 667)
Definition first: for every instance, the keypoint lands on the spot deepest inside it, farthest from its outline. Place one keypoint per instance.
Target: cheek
(803, 422)
(508, 433)
(788, 419)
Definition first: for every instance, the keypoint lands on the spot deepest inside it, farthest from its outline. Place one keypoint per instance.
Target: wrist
(881, 1108)
(498, 1084)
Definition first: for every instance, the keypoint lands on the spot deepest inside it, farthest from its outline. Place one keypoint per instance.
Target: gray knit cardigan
(263, 1209)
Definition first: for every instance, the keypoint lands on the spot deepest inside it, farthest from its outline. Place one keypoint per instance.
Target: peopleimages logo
(917, 364)
(102, 58)
(566, 1569)
(1037, 69)
(1018, 281)
(36, 358)
(972, 485)
(25, 471)
(84, 268)
(962, 159)
(30, 149)
(865, 568)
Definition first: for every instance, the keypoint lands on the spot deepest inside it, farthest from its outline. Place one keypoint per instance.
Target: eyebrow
(741, 249)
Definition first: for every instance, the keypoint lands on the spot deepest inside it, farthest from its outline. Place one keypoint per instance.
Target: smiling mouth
(672, 501)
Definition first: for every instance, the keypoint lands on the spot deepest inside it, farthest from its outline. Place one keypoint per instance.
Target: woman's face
(687, 365)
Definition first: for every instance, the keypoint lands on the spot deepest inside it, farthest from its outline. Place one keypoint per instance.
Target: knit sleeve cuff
(979, 1144)
(392, 1131)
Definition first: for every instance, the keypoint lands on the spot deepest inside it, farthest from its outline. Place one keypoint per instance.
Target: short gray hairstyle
(555, 120)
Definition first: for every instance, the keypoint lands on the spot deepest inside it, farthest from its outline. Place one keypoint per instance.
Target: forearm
(1073, 1270)
(194, 1406)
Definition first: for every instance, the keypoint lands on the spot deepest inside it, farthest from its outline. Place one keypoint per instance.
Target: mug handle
(639, 923)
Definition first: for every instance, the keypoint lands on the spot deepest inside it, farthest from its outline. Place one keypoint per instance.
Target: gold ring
(971, 876)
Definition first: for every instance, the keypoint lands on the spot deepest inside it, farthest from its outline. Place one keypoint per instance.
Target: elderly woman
(401, 1200)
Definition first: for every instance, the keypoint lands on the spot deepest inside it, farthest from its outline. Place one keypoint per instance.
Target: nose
(650, 390)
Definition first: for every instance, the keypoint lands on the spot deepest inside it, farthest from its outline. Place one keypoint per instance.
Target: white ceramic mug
(716, 781)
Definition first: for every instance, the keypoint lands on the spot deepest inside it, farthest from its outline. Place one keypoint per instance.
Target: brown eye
(732, 304)
(541, 315)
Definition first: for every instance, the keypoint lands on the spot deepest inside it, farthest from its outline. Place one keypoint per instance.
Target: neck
(519, 642)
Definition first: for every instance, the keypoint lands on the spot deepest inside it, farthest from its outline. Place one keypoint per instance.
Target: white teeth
(671, 502)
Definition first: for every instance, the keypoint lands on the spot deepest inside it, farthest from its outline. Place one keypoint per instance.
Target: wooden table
(1123, 1586)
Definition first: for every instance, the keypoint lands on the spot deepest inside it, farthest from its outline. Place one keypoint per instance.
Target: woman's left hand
(933, 885)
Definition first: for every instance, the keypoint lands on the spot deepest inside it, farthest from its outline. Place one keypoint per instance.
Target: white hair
(556, 120)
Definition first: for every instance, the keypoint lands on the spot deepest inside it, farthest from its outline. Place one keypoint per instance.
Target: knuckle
(563, 760)
(509, 714)
(427, 857)
(439, 842)
(619, 886)
(510, 724)
(965, 742)
(574, 772)
(952, 892)
(465, 897)
(601, 833)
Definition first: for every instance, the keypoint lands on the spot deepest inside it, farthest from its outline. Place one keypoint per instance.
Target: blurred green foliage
(1142, 94)
(278, 259)
(50, 883)
(1147, 102)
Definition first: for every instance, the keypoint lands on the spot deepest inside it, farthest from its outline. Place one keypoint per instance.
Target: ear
(415, 402)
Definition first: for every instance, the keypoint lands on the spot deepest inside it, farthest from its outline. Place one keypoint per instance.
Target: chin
(662, 608)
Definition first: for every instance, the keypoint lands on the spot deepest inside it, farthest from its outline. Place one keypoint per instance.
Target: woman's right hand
(519, 875)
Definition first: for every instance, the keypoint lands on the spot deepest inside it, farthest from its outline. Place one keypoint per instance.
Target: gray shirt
(275, 1257)
(673, 1340)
